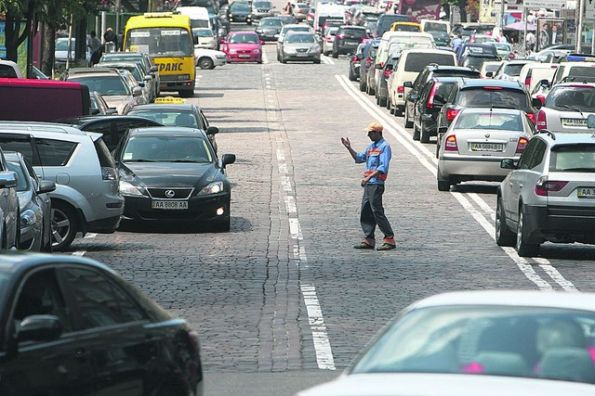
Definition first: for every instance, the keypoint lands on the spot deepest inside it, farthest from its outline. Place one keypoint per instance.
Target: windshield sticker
(139, 34)
(170, 32)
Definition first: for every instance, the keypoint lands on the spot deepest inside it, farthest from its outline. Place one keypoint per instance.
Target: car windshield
(168, 118)
(573, 158)
(62, 45)
(572, 98)
(514, 69)
(475, 62)
(435, 27)
(416, 62)
(358, 33)
(489, 120)
(419, 43)
(239, 7)
(166, 149)
(22, 182)
(105, 85)
(582, 71)
(406, 28)
(298, 38)
(518, 341)
(243, 38)
(295, 29)
(262, 4)
(202, 32)
(271, 22)
(160, 41)
(492, 67)
(497, 97)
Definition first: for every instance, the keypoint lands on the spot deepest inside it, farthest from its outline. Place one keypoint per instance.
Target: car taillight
(401, 89)
(340, 36)
(108, 173)
(527, 82)
(544, 186)
(386, 73)
(354, 58)
(541, 120)
(429, 103)
(532, 117)
(521, 145)
(451, 143)
(541, 99)
(369, 61)
(451, 114)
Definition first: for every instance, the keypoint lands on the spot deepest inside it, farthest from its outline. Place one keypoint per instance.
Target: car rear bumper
(345, 48)
(561, 223)
(104, 226)
(472, 168)
(176, 85)
(199, 209)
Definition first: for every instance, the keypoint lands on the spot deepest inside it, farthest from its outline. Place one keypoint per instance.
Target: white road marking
(79, 253)
(91, 235)
(327, 60)
(322, 345)
(294, 229)
(265, 58)
(549, 269)
(286, 183)
(283, 168)
(290, 205)
(419, 151)
(280, 155)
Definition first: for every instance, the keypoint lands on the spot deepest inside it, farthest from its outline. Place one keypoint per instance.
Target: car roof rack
(547, 132)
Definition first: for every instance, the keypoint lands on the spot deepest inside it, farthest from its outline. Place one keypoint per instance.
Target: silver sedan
(299, 46)
(475, 143)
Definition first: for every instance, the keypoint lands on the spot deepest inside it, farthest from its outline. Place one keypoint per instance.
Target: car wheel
(206, 63)
(317, 61)
(424, 134)
(362, 84)
(335, 54)
(382, 102)
(408, 122)
(64, 225)
(415, 133)
(504, 237)
(443, 184)
(352, 76)
(437, 148)
(187, 93)
(398, 112)
(523, 248)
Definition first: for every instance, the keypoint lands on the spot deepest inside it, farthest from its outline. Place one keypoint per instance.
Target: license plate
(584, 192)
(487, 147)
(351, 42)
(170, 205)
(574, 122)
(302, 54)
(243, 56)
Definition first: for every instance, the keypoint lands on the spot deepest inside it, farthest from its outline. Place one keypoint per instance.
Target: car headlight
(256, 51)
(289, 50)
(130, 189)
(233, 51)
(212, 188)
(27, 218)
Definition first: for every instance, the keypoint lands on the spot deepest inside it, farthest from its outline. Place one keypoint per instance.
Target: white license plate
(351, 42)
(584, 192)
(487, 147)
(170, 205)
(302, 54)
(243, 56)
(574, 122)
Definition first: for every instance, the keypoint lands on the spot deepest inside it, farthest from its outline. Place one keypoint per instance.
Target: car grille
(166, 193)
(574, 211)
(302, 50)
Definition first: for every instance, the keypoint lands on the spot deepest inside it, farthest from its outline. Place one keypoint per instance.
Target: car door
(119, 347)
(519, 178)
(48, 367)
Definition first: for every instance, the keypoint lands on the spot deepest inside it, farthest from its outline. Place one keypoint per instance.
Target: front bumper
(465, 167)
(199, 209)
(240, 18)
(560, 224)
(239, 58)
(103, 226)
(304, 56)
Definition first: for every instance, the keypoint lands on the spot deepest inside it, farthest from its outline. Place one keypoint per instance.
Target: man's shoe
(387, 246)
(363, 245)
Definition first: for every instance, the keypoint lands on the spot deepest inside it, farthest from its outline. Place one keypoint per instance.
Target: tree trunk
(12, 28)
(49, 48)
(462, 10)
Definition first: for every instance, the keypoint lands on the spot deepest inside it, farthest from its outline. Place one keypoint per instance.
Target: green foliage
(53, 12)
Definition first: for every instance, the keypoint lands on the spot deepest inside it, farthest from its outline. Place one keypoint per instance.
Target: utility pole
(502, 9)
(579, 25)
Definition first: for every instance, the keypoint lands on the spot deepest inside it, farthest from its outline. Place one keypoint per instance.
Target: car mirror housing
(46, 186)
(8, 179)
(408, 84)
(154, 69)
(39, 328)
(545, 83)
(137, 91)
(507, 164)
(228, 159)
(212, 130)
(490, 74)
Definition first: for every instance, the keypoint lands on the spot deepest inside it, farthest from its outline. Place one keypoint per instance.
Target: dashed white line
(419, 152)
(290, 205)
(79, 253)
(322, 345)
(547, 267)
(327, 60)
(265, 58)
(294, 229)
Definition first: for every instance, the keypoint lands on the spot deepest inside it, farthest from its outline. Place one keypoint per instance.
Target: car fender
(75, 199)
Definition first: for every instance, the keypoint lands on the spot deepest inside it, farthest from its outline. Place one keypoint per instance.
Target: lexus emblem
(170, 193)
(487, 135)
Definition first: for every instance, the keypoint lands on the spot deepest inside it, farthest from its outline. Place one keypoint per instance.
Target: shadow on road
(567, 252)
(238, 224)
(476, 188)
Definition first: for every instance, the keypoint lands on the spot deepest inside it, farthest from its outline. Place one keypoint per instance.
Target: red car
(242, 47)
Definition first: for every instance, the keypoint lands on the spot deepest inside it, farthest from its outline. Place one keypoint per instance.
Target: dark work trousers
(373, 212)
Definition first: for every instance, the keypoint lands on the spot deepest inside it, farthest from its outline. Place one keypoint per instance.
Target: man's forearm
(352, 152)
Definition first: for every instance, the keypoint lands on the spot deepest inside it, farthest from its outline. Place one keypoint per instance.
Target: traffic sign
(551, 4)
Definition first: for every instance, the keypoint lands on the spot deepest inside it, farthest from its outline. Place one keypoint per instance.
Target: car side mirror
(137, 91)
(212, 130)
(94, 111)
(228, 159)
(591, 121)
(490, 74)
(442, 130)
(508, 164)
(111, 110)
(148, 78)
(536, 103)
(544, 83)
(141, 84)
(46, 186)
(408, 84)
(8, 179)
(154, 69)
(39, 328)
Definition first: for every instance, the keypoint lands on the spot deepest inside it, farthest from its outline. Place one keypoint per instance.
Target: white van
(431, 25)
(199, 16)
(533, 73)
(325, 13)
(574, 69)
(411, 63)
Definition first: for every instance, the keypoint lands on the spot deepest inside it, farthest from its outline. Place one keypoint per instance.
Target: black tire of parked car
(424, 134)
(504, 237)
(206, 63)
(408, 122)
(415, 133)
(523, 248)
(352, 76)
(187, 93)
(362, 84)
(443, 184)
(335, 54)
(61, 212)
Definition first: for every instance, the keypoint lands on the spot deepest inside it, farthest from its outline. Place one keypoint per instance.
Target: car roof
(521, 61)
(166, 107)
(33, 126)
(526, 298)
(19, 262)
(493, 110)
(482, 82)
(439, 68)
(353, 27)
(567, 138)
(168, 131)
(91, 70)
(448, 79)
(85, 120)
(426, 51)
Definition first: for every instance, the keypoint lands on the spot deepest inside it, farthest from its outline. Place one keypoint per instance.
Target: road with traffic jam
(283, 301)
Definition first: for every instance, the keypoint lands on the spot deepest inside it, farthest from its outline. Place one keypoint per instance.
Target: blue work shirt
(377, 157)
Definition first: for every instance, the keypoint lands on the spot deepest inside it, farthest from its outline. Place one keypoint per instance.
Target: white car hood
(208, 52)
(380, 384)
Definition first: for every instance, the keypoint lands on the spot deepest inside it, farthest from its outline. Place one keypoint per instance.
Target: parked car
(300, 46)
(355, 63)
(381, 91)
(328, 40)
(137, 57)
(9, 69)
(35, 231)
(475, 143)
(347, 39)
(488, 342)
(489, 69)
(511, 70)
(173, 174)
(140, 79)
(59, 307)
(269, 28)
(242, 47)
(86, 198)
(204, 38)
(367, 64)
(99, 106)
(567, 107)
(61, 50)
(548, 194)
(533, 74)
(208, 59)
(581, 71)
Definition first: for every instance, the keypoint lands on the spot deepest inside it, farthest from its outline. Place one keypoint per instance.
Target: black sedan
(72, 326)
(173, 174)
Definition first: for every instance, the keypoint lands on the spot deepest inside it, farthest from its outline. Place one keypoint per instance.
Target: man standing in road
(377, 158)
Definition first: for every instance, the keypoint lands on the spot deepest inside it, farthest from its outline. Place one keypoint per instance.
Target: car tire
(206, 63)
(504, 237)
(335, 54)
(424, 134)
(408, 122)
(382, 101)
(438, 148)
(352, 76)
(187, 93)
(362, 84)
(415, 133)
(443, 184)
(64, 225)
(523, 248)
(398, 112)
(317, 61)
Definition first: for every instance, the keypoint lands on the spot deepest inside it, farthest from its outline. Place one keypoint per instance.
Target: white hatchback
(566, 108)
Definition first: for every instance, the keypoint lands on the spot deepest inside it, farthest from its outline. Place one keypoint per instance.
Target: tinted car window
(105, 85)
(100, 301)
(572, 98)
(490, 121)
(105, 158)
(359, 33)
(416, 62)
(581, 71)
(496, 97)
(20, 146)
(443, 90)
(513, 70)
(576, 157)
(166, 149)
(7, 72)
(54, 152)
